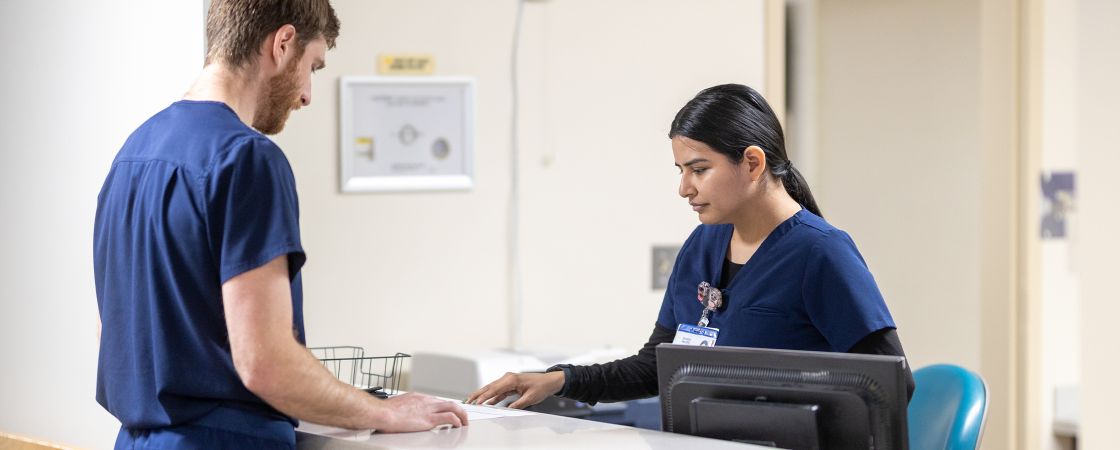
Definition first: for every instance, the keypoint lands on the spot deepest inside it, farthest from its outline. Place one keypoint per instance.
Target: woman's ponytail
(798, 189)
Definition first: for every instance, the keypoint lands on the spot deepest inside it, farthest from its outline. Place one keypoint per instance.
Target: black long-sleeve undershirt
(635, 377)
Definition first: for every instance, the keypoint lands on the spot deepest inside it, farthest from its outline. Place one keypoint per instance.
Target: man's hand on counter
(419, 412)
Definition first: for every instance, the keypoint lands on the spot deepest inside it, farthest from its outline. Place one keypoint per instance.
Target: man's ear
(283, 45)
(755, 159)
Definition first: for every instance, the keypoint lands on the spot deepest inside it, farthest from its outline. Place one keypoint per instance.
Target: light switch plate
(663, 258)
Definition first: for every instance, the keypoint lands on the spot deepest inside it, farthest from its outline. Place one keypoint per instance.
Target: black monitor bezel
(889, 371)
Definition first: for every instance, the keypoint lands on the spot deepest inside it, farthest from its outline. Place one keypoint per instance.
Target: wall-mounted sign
(406, 133)
(1059, 195)
(406, 64)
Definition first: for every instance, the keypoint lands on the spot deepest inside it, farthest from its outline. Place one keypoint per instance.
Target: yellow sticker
(406, 64)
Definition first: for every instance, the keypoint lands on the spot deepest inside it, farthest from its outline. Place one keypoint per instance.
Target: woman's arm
(624, 379)
(885, 342)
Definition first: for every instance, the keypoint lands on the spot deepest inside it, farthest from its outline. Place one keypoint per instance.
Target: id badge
(694, 335)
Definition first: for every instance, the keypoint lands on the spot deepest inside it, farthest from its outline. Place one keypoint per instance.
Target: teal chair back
(948, 409)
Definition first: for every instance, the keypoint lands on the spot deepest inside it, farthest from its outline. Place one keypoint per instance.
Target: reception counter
(501, 428)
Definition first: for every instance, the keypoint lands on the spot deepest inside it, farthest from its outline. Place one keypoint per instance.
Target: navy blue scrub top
(805, 288)
(193, 198)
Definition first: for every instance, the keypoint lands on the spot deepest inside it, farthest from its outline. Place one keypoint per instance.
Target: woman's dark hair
(731, 117)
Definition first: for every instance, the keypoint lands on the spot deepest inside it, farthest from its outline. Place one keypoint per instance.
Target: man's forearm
(276, 367)
(298, 385)
(279, 370)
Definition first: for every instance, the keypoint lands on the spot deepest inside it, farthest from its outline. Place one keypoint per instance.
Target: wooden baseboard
(12, 442)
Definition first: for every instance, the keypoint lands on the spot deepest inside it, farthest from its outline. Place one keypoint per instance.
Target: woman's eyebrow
(691, 162)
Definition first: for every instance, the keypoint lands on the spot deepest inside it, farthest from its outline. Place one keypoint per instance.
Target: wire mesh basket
(351, 365)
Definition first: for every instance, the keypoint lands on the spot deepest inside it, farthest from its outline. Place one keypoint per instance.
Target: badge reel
(700, 334)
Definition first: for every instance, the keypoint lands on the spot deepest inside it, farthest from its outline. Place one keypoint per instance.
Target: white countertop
(500, 428)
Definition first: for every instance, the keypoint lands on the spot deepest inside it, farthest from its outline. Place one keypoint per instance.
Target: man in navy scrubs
(197, 256)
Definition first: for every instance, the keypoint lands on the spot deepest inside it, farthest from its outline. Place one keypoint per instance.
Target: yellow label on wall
(406, 64)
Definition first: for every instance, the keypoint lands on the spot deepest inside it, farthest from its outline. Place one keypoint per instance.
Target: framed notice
(406, 133)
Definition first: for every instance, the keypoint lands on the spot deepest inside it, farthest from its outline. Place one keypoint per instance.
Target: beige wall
(1059, 359)
(898, 123)
(917, 159)
(1097, 94)
(600, 82)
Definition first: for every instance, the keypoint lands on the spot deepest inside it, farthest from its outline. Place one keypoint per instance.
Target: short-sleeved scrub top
(805, 288)
(194, 197)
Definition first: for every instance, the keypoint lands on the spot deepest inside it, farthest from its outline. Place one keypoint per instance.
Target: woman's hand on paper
(532, 387)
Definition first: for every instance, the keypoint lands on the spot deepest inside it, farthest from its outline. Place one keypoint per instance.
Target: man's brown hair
(236, 28)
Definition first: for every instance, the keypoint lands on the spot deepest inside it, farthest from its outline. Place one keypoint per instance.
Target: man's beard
(278, 100)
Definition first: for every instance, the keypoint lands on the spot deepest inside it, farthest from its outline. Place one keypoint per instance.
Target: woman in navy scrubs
(788, 279)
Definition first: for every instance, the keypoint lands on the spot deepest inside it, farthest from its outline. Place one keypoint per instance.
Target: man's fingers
(460, 412)
(447, 418)
(452, 408)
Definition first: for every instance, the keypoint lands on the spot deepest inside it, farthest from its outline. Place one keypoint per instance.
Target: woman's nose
(685, 189)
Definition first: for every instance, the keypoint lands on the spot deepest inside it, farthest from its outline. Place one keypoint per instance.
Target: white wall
(1097, 94)
(78, 77)
(600, 82)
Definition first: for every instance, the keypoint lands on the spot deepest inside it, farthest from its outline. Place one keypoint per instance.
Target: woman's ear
(755, 159)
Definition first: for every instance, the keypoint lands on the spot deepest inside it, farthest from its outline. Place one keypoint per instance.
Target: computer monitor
(784, 398)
